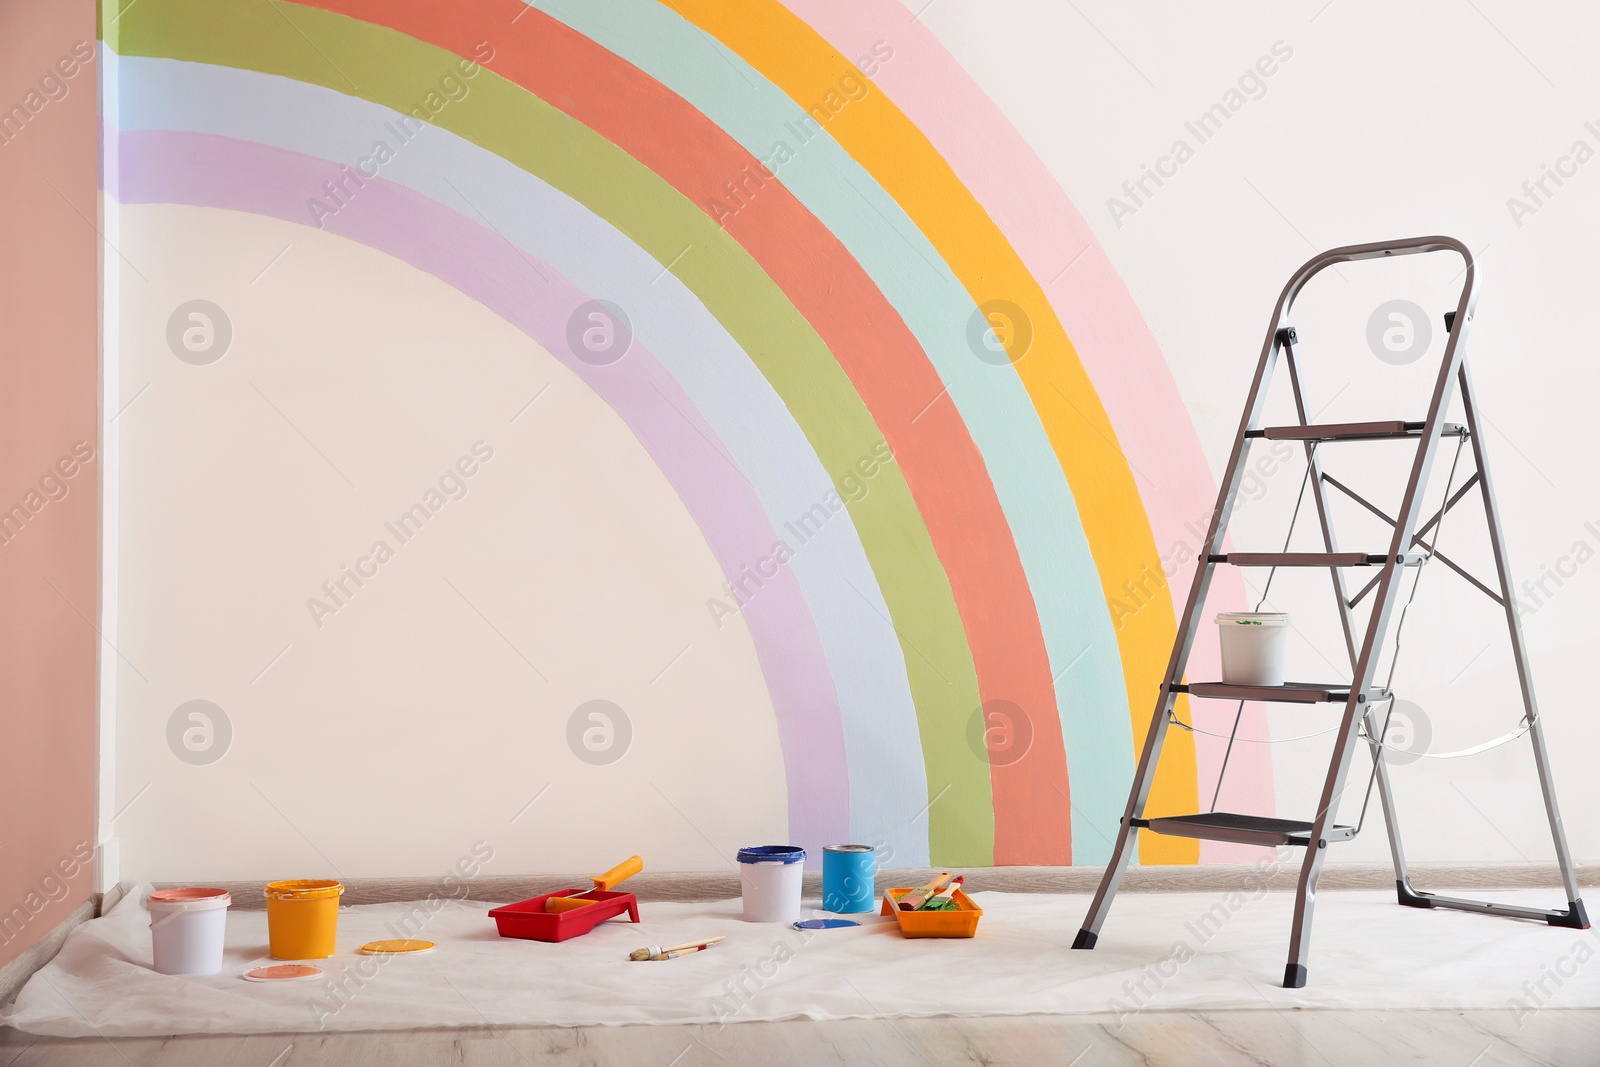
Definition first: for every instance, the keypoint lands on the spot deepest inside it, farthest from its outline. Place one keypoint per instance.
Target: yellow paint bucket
(302, 918)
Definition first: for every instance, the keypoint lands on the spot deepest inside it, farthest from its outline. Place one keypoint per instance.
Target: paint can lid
(1253, 618)
(848, 848)
(283, 972)
(304, 889)
(772, 854)
(188, 899)
(399, 947)
(824, 924)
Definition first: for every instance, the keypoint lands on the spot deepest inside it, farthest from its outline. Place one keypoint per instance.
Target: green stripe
(394, 70)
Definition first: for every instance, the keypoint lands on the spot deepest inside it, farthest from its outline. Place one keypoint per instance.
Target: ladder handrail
(1376, 250)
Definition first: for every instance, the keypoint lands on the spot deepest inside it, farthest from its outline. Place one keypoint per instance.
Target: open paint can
(302, 918)
(187, 927)
(847, 872)
(1254, 646)
(769, 881)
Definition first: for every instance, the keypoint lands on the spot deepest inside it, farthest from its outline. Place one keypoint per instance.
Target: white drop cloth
(1155, 953)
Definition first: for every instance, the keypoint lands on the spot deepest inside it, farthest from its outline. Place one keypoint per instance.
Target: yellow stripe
(879, 136)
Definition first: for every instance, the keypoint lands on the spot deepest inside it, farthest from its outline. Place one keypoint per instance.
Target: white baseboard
(1186, 879)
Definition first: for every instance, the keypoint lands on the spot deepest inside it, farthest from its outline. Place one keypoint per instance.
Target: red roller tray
(528, 920)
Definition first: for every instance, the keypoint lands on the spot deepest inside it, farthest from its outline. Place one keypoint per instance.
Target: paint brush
(657, 952)
(946, 900)
(917, 897)
(947, 896)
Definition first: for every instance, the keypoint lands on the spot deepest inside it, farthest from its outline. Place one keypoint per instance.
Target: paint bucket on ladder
(187, 928)
(769, 882)
(302, 918)
(1254, 646)
(847, 872)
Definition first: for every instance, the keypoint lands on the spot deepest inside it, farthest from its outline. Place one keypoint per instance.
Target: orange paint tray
(962, 923)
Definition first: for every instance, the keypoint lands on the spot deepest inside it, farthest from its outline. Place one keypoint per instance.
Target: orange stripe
(785, 50)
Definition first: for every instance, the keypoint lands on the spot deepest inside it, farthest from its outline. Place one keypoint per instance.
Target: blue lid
(772, 854)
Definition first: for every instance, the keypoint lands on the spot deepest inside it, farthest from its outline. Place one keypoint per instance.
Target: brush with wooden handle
(657, 952)
(917, 897)
(610, 880)
(946, 898)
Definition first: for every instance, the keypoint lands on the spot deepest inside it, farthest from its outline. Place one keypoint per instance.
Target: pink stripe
(210, 171)
(1140, 396)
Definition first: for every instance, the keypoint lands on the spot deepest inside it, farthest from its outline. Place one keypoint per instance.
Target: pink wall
(49, 464)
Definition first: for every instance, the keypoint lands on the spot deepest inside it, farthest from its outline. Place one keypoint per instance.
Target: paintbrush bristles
(918, 897)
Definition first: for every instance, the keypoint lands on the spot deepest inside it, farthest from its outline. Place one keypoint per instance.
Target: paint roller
(602, 883)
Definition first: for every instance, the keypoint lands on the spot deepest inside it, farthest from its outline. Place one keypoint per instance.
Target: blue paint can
(847, 873)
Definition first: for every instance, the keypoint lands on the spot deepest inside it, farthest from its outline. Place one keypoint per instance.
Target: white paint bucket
(1254, 646)
(187, 928)
(769, 880)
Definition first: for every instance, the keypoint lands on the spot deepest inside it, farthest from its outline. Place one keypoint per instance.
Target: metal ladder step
(1243, 829)
(1353, 431)
(1315, 559)
(1287, 693)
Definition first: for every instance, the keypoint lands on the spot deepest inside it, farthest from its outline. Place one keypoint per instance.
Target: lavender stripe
(210, 171)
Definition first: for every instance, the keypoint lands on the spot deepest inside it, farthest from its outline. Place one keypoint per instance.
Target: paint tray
(960, 923)
(528, 920)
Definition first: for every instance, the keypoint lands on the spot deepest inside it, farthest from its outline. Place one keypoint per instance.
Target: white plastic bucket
(769, 880)
(187, 928)
(1254, 646)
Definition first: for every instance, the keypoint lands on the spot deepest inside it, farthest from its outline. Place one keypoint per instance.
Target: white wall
(432, 708)
(1383, 122)
(1386, 121)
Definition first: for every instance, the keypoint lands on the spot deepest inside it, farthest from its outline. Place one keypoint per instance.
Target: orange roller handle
(620, 873)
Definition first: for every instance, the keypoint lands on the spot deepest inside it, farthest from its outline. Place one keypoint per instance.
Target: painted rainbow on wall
(820, 232)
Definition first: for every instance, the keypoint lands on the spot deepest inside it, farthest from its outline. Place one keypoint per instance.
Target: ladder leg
(1089, 933)
(1294, 974)
(1575, 916)
(1391, 819)
(1305, 899)
(1188, 622)
(1377, 626)
(1143, 779)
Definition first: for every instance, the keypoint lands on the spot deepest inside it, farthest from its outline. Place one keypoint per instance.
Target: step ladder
(1408, 547)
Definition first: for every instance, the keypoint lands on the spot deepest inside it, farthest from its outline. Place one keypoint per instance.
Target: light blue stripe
(888, 781)
(1032, 487)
